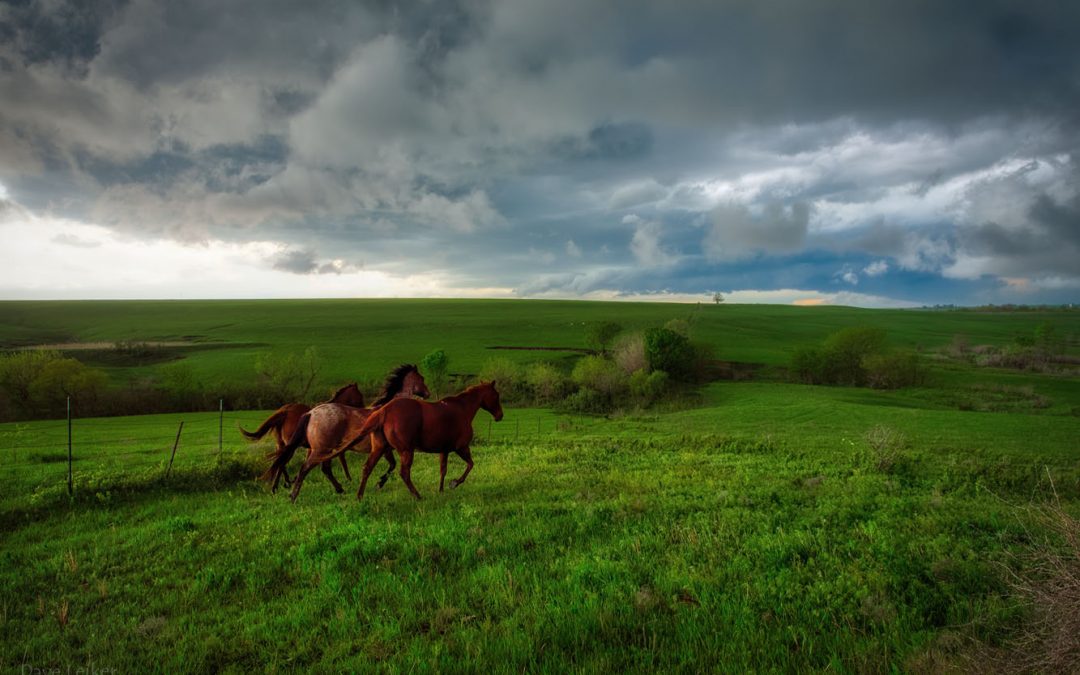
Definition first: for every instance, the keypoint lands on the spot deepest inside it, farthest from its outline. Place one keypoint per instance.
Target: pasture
(758, 525)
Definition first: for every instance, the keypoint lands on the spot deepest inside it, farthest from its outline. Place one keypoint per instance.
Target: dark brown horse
(408, 425)
(326, 425)
(285, 419)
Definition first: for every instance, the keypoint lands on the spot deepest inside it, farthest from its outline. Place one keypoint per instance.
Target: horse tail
(273, 422)
(282, 457)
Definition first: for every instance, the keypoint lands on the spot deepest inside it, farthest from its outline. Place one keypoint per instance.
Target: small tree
(435, 365)
(65, 378)
(288, 377)
(668, 351)
(18, 371)
(598, 336)
(718, 297)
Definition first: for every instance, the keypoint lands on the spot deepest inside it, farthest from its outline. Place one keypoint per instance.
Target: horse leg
(308, 466)
(442, 468)
(281, 443)
(389, 472)
(377, 449)
(466, 455)
(406, 471)
(344, 466)
(329, 473)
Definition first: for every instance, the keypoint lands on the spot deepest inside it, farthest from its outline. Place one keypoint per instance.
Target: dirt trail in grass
(88, 346)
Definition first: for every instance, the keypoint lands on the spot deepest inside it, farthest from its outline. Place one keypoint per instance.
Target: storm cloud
(921, 151)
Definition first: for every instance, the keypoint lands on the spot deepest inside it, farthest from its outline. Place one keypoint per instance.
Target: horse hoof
(454, 483)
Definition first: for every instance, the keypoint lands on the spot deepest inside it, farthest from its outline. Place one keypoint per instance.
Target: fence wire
(38, 453)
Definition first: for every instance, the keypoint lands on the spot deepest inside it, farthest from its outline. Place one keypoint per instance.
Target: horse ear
(493, 383)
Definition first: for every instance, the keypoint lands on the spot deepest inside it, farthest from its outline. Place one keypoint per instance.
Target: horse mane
(468, 390)
(394, 382)
(341, 391)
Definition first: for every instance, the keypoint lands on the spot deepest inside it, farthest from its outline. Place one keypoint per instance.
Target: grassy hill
(767, 526)
(364, 338)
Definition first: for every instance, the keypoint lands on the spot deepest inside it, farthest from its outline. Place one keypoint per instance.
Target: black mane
(394, 382)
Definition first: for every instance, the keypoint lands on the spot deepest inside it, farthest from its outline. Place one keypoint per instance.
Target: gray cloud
(936, 137)
(305, 261)
(737, 232)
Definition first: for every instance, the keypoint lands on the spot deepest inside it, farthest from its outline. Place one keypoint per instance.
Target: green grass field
(765, 526)
(365, 338)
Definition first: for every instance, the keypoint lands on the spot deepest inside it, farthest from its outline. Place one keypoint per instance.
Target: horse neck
(469, 400)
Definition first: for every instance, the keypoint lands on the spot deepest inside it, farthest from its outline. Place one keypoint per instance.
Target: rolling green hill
(756, 526)
(364, 338)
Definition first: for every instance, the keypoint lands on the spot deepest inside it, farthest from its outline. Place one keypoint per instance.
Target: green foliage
(546, 382)
(893, 370)
(65, 378)
(680, 326)
(508, 376)
(288, 377)
(669, 351)
(649, 387)
(434, 368)
(845, 350)
(182, 385)
(1049, 339)
(586, 401)
(840, 358)
(600, 375)
(598, 335)
(42, 381)
(19, 370)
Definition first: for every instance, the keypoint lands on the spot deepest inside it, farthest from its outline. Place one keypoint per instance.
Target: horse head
(489, 400)
(403, 381)
(349, 395)
(414, 384)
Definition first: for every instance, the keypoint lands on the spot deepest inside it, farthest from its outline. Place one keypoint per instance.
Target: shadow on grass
(104, 489)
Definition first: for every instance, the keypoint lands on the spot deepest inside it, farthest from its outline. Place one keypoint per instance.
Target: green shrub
(598, 336)
(601, 375)
(508, 376)
(843, 353)
(668, 351)
(680, 326)
(841, 359)
(434, 367)
(288, 377)
(586, 401)
(649, 387)
(893, 371)
(807, 363)
(546, 383)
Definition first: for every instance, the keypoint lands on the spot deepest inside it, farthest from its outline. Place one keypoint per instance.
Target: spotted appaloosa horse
(408, 425)
(284, 420)
(326, 425)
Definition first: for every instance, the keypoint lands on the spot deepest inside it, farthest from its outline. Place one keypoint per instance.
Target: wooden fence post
(173, 455)
(221, 426)
(71, 484)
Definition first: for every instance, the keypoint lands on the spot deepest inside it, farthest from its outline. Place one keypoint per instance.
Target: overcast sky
(836, 151)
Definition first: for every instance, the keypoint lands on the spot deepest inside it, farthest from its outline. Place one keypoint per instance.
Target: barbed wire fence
(65, 452)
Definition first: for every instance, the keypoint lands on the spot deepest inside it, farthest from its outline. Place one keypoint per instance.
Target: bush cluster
(857, 357)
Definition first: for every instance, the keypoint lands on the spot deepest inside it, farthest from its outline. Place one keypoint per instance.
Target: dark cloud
(305, 261)
(737, 232)
(575, 144)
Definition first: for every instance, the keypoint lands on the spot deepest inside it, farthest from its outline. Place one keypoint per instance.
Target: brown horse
(326, 425)
(408, 425)
(285, 419)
